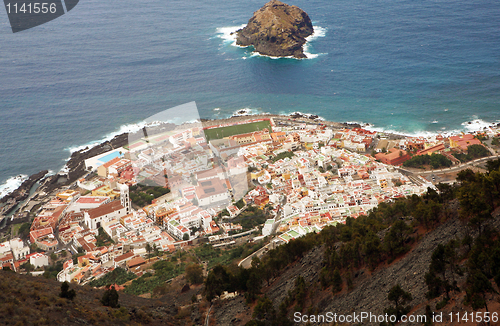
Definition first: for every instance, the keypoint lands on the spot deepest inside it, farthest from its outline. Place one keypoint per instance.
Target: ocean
(414, 67)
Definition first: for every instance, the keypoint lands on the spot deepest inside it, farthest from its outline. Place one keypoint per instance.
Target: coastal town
(269, 179)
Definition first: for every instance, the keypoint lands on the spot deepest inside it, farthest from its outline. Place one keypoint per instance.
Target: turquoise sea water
(408, 66)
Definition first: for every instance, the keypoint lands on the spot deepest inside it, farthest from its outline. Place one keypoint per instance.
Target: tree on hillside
(476, 196)
(66, 292)
(395, 240)
(478, 286)
(194, 274)
(493, 165)
(337, 281)
(443, 260)
(218, 281)
(264, 309)
(400, 298)
(373, 249)
(110, 297)
(149, 249)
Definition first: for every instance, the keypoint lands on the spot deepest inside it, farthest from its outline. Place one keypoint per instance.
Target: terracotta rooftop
(105, 209)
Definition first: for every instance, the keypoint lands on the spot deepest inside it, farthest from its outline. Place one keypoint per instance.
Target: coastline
(228, 34)
(75, 166)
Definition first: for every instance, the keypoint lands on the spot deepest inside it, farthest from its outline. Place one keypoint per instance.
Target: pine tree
(66, 292)
(110, 297)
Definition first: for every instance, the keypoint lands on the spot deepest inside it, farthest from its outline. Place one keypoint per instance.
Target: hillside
(435, 254)
(28, 300)
(442, 249)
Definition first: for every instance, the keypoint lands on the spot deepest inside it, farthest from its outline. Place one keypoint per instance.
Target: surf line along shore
(75, 167)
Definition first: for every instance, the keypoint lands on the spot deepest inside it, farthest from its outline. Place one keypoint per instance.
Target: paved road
(247, 262)
(453, 168)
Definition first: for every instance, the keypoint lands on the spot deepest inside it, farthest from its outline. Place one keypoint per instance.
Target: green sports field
(219, 133)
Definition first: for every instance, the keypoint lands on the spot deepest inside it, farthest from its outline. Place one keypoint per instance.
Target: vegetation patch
(473, 152)
(103, 239)
(217, 256)
(164, 271)
(251, 217)
(219, 133)
(143, 195)
(434, 160)
(283, 155)
(117, 276)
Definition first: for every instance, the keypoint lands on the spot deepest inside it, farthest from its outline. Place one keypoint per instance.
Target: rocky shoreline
(75, 167)
(21, 193)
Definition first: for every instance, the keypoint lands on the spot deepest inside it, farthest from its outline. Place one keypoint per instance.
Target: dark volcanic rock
(23, 191)
(277, 29)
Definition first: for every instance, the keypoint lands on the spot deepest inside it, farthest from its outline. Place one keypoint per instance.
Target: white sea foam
(228, 35)
(225, 34)
(318, 32)
(257, 54)
(477, 124)
(243, 112)
(12, 184)
(130, 128)
(468, 127)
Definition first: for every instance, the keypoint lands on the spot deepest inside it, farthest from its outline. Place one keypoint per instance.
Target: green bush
(434, 160)
(283, 155)
(473, 152)
(66, 293)
(118, 276)
(110, 298)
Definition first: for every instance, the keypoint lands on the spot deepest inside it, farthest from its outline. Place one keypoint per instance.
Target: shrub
(66, 293)
(110, 298)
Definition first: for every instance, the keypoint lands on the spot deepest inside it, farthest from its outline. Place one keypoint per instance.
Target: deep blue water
(409, 66)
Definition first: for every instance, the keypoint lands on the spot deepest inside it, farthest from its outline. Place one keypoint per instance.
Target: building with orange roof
(102, 170)
(105, 191)
(393, 157)
(432, 149)
(36, 235)
(104, 213)
(123, 259)
(464, 141)
(68, 195)
(278, 136)
(7, 258)
(135, 262)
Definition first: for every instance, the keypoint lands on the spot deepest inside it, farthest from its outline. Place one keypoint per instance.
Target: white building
(268, 227)
(104, 213)
(124, 197)
(38, 259)
(212, 191)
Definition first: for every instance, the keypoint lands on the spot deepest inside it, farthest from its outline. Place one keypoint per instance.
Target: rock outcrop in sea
(277, 29)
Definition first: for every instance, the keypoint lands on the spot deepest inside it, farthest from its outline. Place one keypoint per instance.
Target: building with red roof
(393, 157)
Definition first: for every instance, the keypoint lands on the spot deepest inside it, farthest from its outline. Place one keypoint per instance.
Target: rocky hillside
(277, 29)
(369, 289)
(28, 300)
(422, 256)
